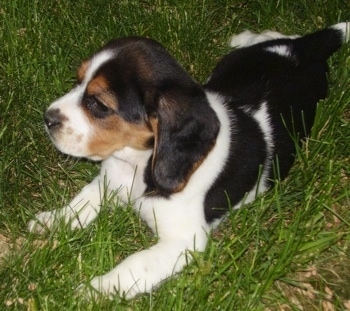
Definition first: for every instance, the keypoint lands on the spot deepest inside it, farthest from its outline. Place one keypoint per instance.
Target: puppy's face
(103, 112)
(132, 93)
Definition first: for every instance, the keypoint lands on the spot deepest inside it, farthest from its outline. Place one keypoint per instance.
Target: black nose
(53, 119)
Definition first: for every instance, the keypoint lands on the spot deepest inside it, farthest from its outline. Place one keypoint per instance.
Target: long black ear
(185, 128)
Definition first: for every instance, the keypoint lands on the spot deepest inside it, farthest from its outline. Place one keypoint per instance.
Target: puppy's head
(132, 93)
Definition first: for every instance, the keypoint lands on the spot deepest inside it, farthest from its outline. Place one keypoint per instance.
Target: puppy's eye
(96, 107)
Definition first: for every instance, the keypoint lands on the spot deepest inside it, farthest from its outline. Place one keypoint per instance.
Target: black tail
(322, 44)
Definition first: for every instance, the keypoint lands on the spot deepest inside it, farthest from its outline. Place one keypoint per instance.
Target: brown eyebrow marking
(82, 70)
(97, 85)
(99, 88)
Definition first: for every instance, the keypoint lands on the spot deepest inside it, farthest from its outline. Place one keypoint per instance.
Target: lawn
(288, 250)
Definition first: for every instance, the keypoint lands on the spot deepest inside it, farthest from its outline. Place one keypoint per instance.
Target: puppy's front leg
(79, 213)
(117, 174)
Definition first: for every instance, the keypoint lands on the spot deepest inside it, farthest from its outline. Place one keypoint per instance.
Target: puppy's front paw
(99, 287)
(130, 278)
(112, 284)
(42, 222)
(78, 217)
(140, 272)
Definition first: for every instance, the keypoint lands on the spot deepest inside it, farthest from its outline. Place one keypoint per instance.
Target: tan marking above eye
(99, 88)
(82, 70)
(97, 85)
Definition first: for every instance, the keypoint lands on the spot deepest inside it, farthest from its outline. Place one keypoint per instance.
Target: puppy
(184, 153)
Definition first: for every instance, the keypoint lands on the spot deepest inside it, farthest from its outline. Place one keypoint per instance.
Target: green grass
(286, 251)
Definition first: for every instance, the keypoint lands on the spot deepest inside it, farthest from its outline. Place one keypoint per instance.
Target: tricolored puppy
(184, 153)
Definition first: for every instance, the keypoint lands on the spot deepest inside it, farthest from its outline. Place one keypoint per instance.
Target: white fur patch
(248, 38)
(345, 28)
(282, 50)
(261, 116)
(263, 119)
(96, 62)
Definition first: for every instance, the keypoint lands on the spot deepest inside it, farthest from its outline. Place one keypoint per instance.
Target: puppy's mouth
(65, 138)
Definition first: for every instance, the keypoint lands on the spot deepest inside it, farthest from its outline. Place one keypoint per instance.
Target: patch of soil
(5, 247)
